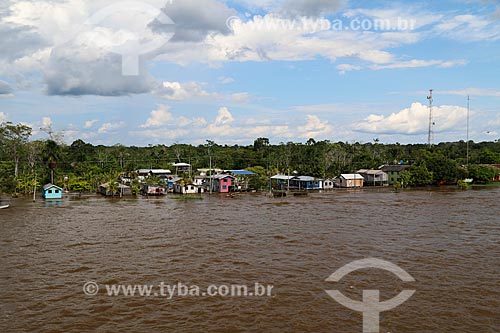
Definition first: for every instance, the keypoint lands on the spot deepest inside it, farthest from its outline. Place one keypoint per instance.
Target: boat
(4, 206)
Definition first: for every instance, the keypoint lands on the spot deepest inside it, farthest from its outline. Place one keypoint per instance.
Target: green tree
(418, 175)
(259, 181)
(482, 173)
(14, 138)
(79, 185)
(52, 154)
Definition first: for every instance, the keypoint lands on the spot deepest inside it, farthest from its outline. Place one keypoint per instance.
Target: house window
(224, 187)
(225, 180)
(50, 191)
(56, 191)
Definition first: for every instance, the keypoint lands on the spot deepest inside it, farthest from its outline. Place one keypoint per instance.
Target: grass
(187, 197)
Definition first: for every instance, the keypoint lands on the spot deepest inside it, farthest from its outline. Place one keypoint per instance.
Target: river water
(447, 240)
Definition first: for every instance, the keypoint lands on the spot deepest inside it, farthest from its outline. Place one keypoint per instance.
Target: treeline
(25, 163)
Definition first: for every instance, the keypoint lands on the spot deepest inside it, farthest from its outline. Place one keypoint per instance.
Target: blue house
(306, 183)
(51, 191)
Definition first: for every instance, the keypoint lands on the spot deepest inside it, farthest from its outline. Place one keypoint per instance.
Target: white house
(188, 188)
(328, 183)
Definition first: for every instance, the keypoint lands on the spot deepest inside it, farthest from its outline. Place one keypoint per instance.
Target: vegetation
(81, 167)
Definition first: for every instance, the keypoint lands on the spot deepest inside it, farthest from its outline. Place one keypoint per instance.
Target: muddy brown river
(447, 240)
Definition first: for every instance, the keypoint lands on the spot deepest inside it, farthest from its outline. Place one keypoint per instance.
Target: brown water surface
(448, 240)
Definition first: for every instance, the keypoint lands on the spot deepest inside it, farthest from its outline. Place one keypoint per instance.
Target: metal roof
(305, 178)
(222, 176)
(181, 165)
(394, 168)
(49, 185)
(351, 176)
(242, 172)
(120, 185)
(154, 171)
(282, 177)
(174, 179)
(370, 172)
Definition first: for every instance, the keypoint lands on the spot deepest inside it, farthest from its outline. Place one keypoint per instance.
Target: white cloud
(390, 19)
(224, 117)
(110, 127)
(159, 117)
(469, 28)
(46, 123)
(420, 63)
(176, 91)
(90, 123)
(473, 92)
(226, 80)
(78, 59)
(414, 120)
(495, 123)
(240, 97)
(344, 68)
(314, 128)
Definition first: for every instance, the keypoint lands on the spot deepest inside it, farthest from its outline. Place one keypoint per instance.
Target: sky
(185, 71)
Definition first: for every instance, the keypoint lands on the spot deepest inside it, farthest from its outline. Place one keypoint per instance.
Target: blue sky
(233, 71)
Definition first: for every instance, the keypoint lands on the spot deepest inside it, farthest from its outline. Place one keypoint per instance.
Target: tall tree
(14, 138)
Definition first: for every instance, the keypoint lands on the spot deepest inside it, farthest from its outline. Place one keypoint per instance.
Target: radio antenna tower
(430, 136)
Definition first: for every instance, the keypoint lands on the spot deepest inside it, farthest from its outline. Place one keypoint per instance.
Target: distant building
(281, 182)
(223, 183)
(350, 180)
(182, 167)
(171, 181)
(188, 188)
(374, 177)
(297, 182)
(328, 184)
(51, 191)
(153, 190)
(121, 190)
(199, 180)
(242, 179)
(394, 172)
(160, 173)
(306, 183)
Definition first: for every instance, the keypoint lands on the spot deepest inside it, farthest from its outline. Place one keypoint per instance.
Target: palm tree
(52, 155)
(113, 186)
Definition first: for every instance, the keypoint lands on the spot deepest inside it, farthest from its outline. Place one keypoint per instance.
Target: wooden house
(394, 172)
(50, 191)
(374, 177)
(223, 183)
(350, 180)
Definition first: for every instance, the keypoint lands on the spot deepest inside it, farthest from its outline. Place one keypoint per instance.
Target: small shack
(51, 191)
(120, 190)
(329, 183)
(350, 180)
(188, 188)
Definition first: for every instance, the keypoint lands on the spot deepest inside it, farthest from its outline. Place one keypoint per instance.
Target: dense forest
(26, 163)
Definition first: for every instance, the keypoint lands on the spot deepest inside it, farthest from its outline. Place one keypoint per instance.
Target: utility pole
(431, 123)
(468, 117)
(34, 189)
(210, 170)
